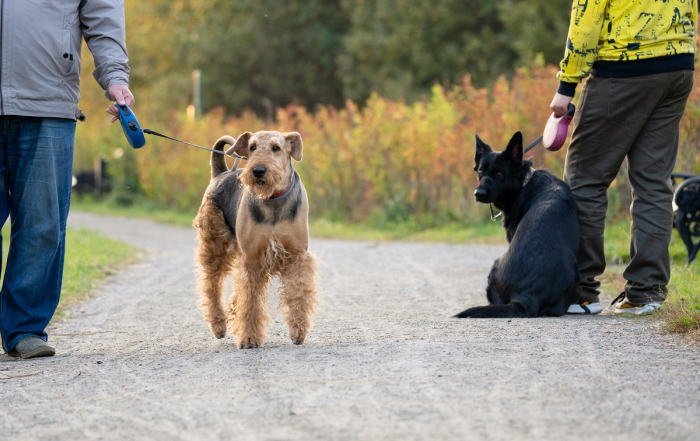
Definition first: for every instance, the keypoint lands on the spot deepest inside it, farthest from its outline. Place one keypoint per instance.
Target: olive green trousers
(635, 118)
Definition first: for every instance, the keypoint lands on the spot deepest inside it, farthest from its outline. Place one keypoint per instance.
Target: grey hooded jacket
(40, 42)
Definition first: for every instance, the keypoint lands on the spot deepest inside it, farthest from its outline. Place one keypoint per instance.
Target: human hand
(560, 104)
(122, 95)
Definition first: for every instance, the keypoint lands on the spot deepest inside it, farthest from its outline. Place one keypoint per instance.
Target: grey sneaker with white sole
(32, 347)
(624, 306)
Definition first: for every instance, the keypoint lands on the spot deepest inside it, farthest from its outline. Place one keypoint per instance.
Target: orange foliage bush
(389, 161)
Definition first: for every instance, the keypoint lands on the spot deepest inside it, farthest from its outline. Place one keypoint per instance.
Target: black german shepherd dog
(537, 276)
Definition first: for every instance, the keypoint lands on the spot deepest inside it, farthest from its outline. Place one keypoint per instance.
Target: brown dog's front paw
(249, 343)
(298, 335)
(218, 329)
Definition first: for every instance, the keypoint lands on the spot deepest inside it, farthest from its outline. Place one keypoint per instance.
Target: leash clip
(494, 217)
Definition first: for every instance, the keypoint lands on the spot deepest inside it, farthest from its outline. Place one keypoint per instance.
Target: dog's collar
(528, 176)
(282, 193)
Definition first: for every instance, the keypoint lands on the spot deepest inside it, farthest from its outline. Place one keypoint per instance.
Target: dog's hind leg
(298, 295)
(248, 316)
(567, 298)
(214, 256)
(491, 292)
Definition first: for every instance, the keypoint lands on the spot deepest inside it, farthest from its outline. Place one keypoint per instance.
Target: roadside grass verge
(90, 257)
(681, 311)
(491, 232)
(140, 210)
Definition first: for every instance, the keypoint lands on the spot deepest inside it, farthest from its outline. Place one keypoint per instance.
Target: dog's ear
(514, 151)
(241, 146)
(481, 149)
(295, 144)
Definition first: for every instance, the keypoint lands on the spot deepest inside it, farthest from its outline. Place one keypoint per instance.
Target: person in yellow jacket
(639, 57)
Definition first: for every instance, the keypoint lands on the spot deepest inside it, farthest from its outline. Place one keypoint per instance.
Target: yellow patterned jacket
(627, 38)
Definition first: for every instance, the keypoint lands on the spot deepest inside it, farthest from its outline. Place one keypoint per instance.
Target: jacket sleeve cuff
(567, 89)
(114, 81)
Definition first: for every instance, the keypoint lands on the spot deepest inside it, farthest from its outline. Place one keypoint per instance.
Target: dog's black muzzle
(485, 193)
(480, 194)
(259, 172)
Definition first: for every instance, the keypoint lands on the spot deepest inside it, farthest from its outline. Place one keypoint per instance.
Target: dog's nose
(479, 193)
(259, 172)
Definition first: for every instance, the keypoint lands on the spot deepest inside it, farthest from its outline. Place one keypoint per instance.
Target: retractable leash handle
(131, 127)
(555, 131)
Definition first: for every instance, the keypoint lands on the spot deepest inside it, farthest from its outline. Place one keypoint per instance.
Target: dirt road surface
(384, 361)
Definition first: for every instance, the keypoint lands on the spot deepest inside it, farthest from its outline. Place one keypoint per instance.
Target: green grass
(479, 233)
(324, 229)
(90, 257)
(681, 313)
(138, 210)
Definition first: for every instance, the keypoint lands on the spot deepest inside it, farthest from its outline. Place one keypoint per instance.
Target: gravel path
(384, 361)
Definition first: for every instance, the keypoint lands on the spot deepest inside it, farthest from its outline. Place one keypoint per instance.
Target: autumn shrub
(386, 163)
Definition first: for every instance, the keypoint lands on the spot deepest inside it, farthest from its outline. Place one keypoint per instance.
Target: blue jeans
(36, 169)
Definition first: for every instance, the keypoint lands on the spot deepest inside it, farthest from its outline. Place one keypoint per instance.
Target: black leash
(151, 132)
(528, 148)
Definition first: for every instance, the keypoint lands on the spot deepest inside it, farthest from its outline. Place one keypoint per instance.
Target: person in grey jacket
(40, 64)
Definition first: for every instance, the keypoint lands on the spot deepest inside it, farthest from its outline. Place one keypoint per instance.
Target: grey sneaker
(31, 347)
(623, 306)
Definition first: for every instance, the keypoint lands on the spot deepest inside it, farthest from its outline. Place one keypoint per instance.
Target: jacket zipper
(2, 29)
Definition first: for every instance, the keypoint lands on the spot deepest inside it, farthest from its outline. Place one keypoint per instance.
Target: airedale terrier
(253, 223)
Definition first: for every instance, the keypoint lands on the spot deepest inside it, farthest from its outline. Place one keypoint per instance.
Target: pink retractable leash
(555, 131)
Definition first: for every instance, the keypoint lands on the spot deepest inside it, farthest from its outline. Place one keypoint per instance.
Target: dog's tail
(218, 161)
(511, 310)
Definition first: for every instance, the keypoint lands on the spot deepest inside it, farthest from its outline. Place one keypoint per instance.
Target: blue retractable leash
(135, 135)
(130, 126)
